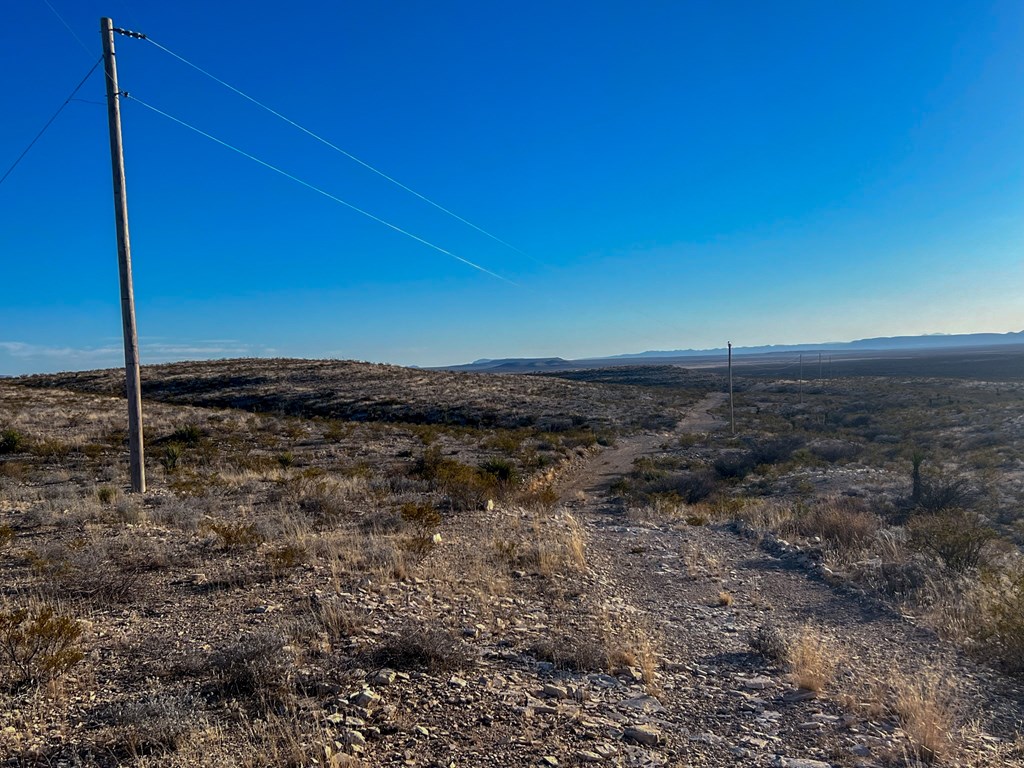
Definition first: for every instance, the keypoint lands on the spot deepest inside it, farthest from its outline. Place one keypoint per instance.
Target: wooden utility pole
(124, 262)
(800, 383)
(732, 412)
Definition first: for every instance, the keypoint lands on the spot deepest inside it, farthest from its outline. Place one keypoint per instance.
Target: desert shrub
(235, 536)
(12, 441)
(958, 538)
(842, 525)
(769, 642)
(502, 470)
(188, 434)
(424, 516)
(90, 569)
(416, 647)
(775, 450)
(286, 557)
(39, 643)
(172, 456)
(156, 725)
(6, 535)
(106, 494)
(464, 486)
(835, 450)
(577, 652)
(694, 487)
(952, 493)
(999, 623)
(51, 449)
(256, 669)
(734, 464)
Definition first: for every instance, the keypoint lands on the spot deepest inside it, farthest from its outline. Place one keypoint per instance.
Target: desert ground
(347, 564)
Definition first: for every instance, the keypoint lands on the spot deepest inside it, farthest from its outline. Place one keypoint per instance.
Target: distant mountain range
(882, 343)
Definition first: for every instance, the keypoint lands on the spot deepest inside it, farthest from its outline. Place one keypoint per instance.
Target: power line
(68, 27)
(323, 192)
(338, 149)
(50, 121)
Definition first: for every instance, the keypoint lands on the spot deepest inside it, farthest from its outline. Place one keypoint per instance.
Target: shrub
(106, 494)
(39, 643)
(255, 668)
(235, 536)
(423, 516)
(6, 535)
(841, 524)
(954, 493)
(172, 456)
(502, 470)
(11, 441)
(769, 643)
(189, 434)
(576, 652)
(958, 538)
(421, 648)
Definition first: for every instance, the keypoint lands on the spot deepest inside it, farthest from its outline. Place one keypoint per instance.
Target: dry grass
(924, 705)
(812, 659)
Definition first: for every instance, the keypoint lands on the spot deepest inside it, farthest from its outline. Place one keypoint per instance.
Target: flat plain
(340, 563)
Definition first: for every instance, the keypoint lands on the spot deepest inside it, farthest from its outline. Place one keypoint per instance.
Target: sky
(668, 175)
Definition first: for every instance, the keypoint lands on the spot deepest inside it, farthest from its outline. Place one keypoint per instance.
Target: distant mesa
(922, 343)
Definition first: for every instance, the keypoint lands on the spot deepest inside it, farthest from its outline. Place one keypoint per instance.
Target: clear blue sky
(679, 173)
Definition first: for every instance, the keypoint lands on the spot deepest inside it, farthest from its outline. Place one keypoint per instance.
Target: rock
(707, 738)
(799, 694)
(384, 677)
(554, 692)
(353, 738)
(365, 699)
(643, 735)
(421, 730)
(642, 704)
(586, 756)
(457, 682)
(758, 683)
(796, 762)
(549, 760)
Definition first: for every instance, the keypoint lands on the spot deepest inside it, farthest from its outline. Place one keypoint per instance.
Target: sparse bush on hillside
(38, 643)
(417, 647)
(12, 441)
(958, 538)
(843, 525)
(256, 669)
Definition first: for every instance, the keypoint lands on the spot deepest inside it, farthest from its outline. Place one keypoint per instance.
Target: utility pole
(819, 366)
(124, 262)
(732, 412)
(800, 383)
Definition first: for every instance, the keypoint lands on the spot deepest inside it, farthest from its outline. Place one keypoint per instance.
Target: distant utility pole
(124, 261)
(800, 383)
(819, 366)
(732, 412)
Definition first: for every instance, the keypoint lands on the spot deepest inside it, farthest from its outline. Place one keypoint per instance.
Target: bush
(958, 538)
(235, 536)
(841, 524)
(11, 441)
(421, 648)
(502, 470)
(255, 668)
(38, 643)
